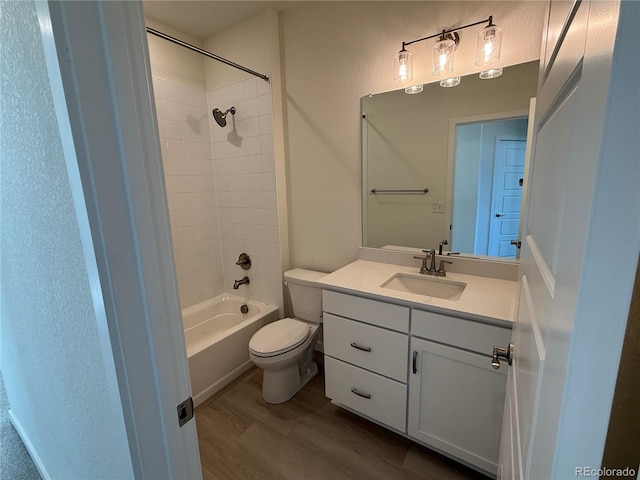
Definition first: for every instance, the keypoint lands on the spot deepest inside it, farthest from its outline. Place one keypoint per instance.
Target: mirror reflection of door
(489, 163)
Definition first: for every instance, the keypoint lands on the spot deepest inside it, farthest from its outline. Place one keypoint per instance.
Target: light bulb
(489, 45)
(443, 57)
(403, 67)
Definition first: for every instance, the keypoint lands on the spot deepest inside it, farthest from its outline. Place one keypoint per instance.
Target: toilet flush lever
(506, 353)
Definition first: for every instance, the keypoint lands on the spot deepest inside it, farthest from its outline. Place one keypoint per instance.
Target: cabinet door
(456, 401)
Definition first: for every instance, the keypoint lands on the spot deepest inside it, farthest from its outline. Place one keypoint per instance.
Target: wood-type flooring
(306, 438)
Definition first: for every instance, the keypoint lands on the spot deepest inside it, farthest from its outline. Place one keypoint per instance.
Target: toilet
(284, 348)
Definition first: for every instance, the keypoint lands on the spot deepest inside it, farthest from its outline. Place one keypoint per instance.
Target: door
(508, 179)
(98, 67)
(570, 319)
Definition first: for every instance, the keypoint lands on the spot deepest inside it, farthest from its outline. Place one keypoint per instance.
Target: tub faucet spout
(243, 281)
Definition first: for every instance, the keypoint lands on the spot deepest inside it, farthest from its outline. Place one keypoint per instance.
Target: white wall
(62, 394)
(222, 182)
(333, 54)
(173, 62)
(181, 107)
(248, 156)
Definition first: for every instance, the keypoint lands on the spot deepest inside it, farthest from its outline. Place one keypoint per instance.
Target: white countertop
(483, 298)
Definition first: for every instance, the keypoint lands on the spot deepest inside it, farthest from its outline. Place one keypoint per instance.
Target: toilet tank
(306, 294)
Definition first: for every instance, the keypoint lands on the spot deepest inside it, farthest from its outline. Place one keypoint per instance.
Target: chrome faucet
(243, 281)
(431, 269)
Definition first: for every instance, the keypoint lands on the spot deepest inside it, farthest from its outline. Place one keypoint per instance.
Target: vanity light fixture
(443, 54)
(413, 89)
(403, 66)
(489, 45)
(491, 73)
(450, 82)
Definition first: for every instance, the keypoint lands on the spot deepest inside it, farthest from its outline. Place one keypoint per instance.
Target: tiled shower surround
(221, 189)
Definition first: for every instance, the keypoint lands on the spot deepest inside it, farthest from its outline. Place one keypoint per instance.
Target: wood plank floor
(306, 438)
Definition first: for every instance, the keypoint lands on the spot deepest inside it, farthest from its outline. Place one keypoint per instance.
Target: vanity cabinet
(424, 374)
(365, 364)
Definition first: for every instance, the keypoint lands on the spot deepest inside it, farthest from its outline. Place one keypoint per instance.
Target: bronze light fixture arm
(488, 21)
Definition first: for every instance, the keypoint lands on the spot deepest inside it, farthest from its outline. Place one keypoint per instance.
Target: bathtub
(217, 337)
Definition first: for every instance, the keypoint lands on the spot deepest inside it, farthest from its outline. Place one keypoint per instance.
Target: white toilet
(284, 349)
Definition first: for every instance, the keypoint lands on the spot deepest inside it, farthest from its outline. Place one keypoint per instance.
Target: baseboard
(37, 461)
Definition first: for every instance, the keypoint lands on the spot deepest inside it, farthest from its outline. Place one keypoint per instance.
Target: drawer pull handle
(360, 347)
(415, 362)
(360, 394)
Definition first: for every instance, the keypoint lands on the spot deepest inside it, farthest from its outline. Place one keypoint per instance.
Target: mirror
(428, 164)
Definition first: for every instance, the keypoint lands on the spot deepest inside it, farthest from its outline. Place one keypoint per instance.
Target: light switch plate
(437, 207)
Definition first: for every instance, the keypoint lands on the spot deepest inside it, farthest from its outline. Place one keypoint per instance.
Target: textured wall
(52, 364)
(333, 54)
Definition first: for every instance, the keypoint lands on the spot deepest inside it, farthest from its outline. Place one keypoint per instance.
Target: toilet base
(279, 386)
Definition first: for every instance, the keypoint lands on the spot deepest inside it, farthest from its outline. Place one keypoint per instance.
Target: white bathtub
(217, 335)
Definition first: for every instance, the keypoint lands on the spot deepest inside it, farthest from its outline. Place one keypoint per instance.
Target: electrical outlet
(437, 207)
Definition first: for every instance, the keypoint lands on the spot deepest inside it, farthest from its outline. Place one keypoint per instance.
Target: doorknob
(499, 214)
(506, 353)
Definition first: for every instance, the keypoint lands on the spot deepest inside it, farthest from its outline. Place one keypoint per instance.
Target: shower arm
(205, 53)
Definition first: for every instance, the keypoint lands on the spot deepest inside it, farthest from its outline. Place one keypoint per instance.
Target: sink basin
(424, 285)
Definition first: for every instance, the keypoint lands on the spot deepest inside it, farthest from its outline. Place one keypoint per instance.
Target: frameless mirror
(447, 163)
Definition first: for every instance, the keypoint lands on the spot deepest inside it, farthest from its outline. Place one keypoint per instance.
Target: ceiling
(202, 19)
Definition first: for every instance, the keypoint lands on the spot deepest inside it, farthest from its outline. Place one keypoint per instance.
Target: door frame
(451, 154)
(99, 71)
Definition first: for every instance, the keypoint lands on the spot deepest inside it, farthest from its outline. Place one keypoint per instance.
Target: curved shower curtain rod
(205, 53)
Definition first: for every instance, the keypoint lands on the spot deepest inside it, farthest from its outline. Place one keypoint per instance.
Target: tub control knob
(244, 261)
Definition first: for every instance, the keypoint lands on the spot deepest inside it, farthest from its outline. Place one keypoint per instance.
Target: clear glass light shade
(450, 82)
(443, 57)
(489, 45)
(403, 67)
(491, 73)
(413, 89)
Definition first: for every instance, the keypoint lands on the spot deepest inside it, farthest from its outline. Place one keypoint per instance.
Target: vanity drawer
(376, 349)
(393, 317)
(387, 399)
(474, 336)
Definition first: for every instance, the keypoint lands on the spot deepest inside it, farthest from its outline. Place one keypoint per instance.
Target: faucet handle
(441, 271)
(423, 268)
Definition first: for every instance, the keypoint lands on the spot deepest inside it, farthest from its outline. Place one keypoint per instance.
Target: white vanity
(417, 364)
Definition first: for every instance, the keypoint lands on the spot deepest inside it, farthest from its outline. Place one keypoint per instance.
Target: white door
(99, 71)
(508, 179)
(573, 304)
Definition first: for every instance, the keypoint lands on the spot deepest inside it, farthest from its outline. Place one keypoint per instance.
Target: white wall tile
(250, 88)
(263, 87)
(264, 104)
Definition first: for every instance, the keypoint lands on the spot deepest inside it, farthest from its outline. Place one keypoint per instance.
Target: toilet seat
(279, 337)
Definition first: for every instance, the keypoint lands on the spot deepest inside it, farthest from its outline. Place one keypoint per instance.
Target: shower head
(221, 118)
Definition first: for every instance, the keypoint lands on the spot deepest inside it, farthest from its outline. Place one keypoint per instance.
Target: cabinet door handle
(360, 394)
(360, 347)
(415, 362)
